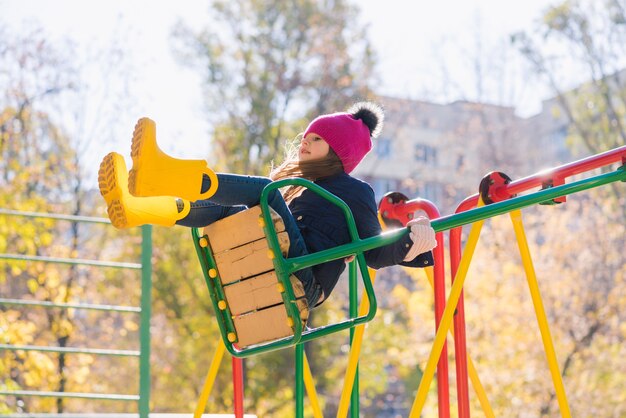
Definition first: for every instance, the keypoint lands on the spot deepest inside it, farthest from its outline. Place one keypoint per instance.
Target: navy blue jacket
(323, 226)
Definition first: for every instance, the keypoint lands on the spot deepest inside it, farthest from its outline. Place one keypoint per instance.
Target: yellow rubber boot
(155, 173)
(126, 210)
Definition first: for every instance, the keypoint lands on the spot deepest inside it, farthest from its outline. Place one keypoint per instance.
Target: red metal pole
(443, 385)
(403, 212)
(498, 193)
(560, 173)
(460, 342)
(237, 366)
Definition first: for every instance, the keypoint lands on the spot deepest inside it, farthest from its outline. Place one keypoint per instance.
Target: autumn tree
(42, 169)
(590, 37)
(266, 65)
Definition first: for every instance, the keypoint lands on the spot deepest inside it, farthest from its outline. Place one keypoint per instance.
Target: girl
(330, 148)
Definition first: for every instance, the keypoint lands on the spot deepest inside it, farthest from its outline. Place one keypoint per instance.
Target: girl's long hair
(310, 170)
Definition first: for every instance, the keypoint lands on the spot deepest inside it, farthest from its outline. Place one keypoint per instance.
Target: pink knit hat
(349, 133)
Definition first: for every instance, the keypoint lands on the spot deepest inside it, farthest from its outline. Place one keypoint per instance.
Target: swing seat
(251, 247)
(249, 296)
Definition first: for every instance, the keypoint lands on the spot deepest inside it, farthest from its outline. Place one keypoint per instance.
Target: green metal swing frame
(284, 267)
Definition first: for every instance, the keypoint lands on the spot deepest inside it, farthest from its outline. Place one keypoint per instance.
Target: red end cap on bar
(493, 189)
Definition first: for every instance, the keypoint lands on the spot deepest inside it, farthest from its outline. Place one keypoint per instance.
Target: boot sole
(117, 214)
(136, 151)
(110, 189)
(107, 177)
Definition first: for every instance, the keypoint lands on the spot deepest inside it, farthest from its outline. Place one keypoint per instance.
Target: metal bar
(478, 387)
(446, 320)
(567, 170)
(439, 290)
(540, 313)
(86, 306)
(102, 396)
(216, 291)
(309, 385)
(283, 269)
(441, 224)
(470, 216)
(71, 261)
(237, 369)
(73, 350)
(460, 344)
(210, 378)
(72, 218)
(299, 378)
(354, 300)
(353, 358)
(146, 313)
(357, 247)
(143, 397)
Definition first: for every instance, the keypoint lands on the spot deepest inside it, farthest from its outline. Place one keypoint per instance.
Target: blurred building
(441, 152)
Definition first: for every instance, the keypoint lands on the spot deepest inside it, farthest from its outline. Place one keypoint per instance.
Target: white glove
(422, 235)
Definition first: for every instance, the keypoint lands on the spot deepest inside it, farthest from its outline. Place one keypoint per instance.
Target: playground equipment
(144, 312)
(500, 193)
(236, 330)
(246, 286)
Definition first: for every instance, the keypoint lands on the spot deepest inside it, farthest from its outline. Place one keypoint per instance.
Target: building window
(383, 147)
(425, 154)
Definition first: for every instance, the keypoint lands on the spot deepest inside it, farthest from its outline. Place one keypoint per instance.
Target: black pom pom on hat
(370, 114)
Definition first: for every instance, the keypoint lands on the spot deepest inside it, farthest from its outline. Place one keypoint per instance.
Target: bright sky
(414, 39)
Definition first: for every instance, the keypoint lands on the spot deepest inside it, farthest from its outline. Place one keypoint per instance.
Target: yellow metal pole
(353, 359)
(446, 320)
(522, 242)
(310, 390)
(210, 378)
(473, 374)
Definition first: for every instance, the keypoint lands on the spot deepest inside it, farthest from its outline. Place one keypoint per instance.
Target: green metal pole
(299, 380)
(146, 303)
(354, 396)
(358, 246)
(458, 219)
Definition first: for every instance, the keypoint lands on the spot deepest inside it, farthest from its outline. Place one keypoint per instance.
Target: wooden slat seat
(253, 294)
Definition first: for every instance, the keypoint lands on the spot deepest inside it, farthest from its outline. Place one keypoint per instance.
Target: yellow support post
(309, 384)
(446, 319)
(210, 378)
(473, 374)
(522, 242)
(353, 359)
(355, 350)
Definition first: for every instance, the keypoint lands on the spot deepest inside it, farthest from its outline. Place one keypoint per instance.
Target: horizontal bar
(73, 350)
(71, 261)
(463, 218)
(76, 218)
(593, 162)
(459, 219)
(583, 165)
(87, 306)
(103, 396)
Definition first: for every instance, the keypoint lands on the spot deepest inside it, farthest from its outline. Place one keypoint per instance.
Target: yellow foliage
(32, 285)
(131, 325)
(62, 327)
